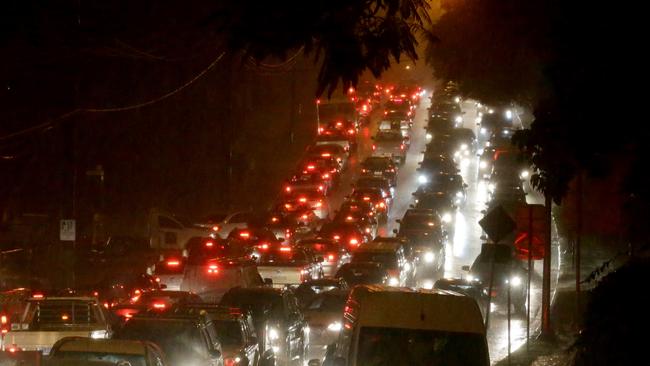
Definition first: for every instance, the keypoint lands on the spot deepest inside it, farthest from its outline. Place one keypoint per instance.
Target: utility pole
(547, 331)
(577, 242)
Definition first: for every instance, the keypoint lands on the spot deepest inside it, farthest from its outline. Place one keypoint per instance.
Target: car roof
(379, 246)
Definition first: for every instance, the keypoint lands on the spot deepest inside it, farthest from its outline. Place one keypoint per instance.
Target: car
(295, 225)
(465, 141)
(431, 167)
(378, 197)
(324, 314)
(363, 273)
(347, 142)
(288, 266)
(119, 287)
(498, 270)
(235, 220)
(278, 320)
(308, 180)
(253, 237)
(391, 255)
(333, 253)
(328, 151)
(426, 239)
(452, 184)
(440, 202)
(378, 166)
(346, 234)
(135, 352)
(351, 213)
(390, 144)
(315, 199)
(400, 326)
(156, 301)
(366, 208)
(309, 289)
(185, 339)
(235, 331)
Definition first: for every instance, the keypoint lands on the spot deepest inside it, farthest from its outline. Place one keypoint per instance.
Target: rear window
(376, 163)
(257, 302)
(133, 360)
(320, 247)
(422, 222)
(389, 259)
(283, 257)
(54, 314)
(388, 136)
(327, 302)
(229, 332)
(398, 346)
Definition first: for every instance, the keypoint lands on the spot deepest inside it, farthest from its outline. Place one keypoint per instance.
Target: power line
(69, 114)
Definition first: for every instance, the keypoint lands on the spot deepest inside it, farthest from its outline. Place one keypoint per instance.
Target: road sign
(497, 224)
(67, 230)
(531, 222)
(521, 247)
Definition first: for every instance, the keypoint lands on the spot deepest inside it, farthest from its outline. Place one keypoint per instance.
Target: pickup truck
(289, 266)
(48, 319)
(390, 143)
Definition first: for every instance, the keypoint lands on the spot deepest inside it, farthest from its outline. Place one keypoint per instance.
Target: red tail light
(365, 108)
(264, 246)
(213, 269)
(354, 241)
(320, 188)
(173, 263)
(13, 349)
(326, 176)
(351, 131)
(382, 204)
(374, 147)
(245, 234)
(4, 320)
(216, 228)
(157, 279)
(38, 296)
(287, 188)
(285, 249)
(339, 124)
(311, 167)
(302, 199)
(159, 305)
(401, 147)
(326, 155)
(230, 362)
(331, 257)
(209, 244)
(319, 204)
(304, 216)
(337, 237)
(366, 198)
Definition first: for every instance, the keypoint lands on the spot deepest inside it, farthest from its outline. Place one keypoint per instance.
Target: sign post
(67, 230)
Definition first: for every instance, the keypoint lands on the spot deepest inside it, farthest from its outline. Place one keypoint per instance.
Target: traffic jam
(353, 264)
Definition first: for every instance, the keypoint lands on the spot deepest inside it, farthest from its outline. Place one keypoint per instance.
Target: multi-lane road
(466, 243)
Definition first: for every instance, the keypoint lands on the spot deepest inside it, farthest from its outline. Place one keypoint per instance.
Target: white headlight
(459, 194)
(393, 281)
(446, 218)
(524, 174)
(509, 114)
(427, 284)
(490, 111)
(458, 119)
(483, 131)
(429, 136)
(307, 330)
(335, 327)
(515, 281)
(273, 334)
(491, 187)
(422, 179)
(483, 164)
(463, 146)
(429, 257)
(471, 278)
(457, 99)
(99, 334)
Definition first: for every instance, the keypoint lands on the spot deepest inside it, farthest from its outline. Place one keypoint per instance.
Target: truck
(45, 320)
(289, 266)
(337, 107)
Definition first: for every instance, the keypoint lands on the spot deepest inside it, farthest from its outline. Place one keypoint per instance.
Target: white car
(222, 225)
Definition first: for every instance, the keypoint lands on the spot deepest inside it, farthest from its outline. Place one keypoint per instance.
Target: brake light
(287, 205)
(337, 237)
(65, 317)
(392, 170)
(366, 198)
(319, 204)
(264, 246)
(331, 257)
(382, 204)
(364, 170)
(4, 320)
(230, 362)
(245, 234)
(38, 296)
(287, 188)
(173, 263)
(157, 279)
(13, 349)
(374, 147)
(285, 249)
(351, 131)
(338, 124)
(302, 199)
(349, 218)
(401, 147)
(216, 228)
(320, 188)
(320, 130)
(311, 167)
(354, 241)
(213, 269)
(159, 305)
(209, 244)
(305, 216)
(326, 176)
(365, 108)
(326, 155)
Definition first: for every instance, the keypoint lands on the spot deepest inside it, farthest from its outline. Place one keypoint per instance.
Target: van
(402, 326)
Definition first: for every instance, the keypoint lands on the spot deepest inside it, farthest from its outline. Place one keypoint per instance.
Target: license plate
(378, 174)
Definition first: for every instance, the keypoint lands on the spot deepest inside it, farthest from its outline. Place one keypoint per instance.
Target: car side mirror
(465, 268)
(399, 221)
(215, 353)
(268, 282)
(395, 231)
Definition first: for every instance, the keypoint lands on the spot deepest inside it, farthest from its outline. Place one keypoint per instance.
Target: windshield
(328, 302)
(283, 257)
(229, 332)
(258, 303)
(320, 247)
(418, 222)
(133, 360)
(387, 258)
(388, 136)
(376, 164)
(396, 347)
